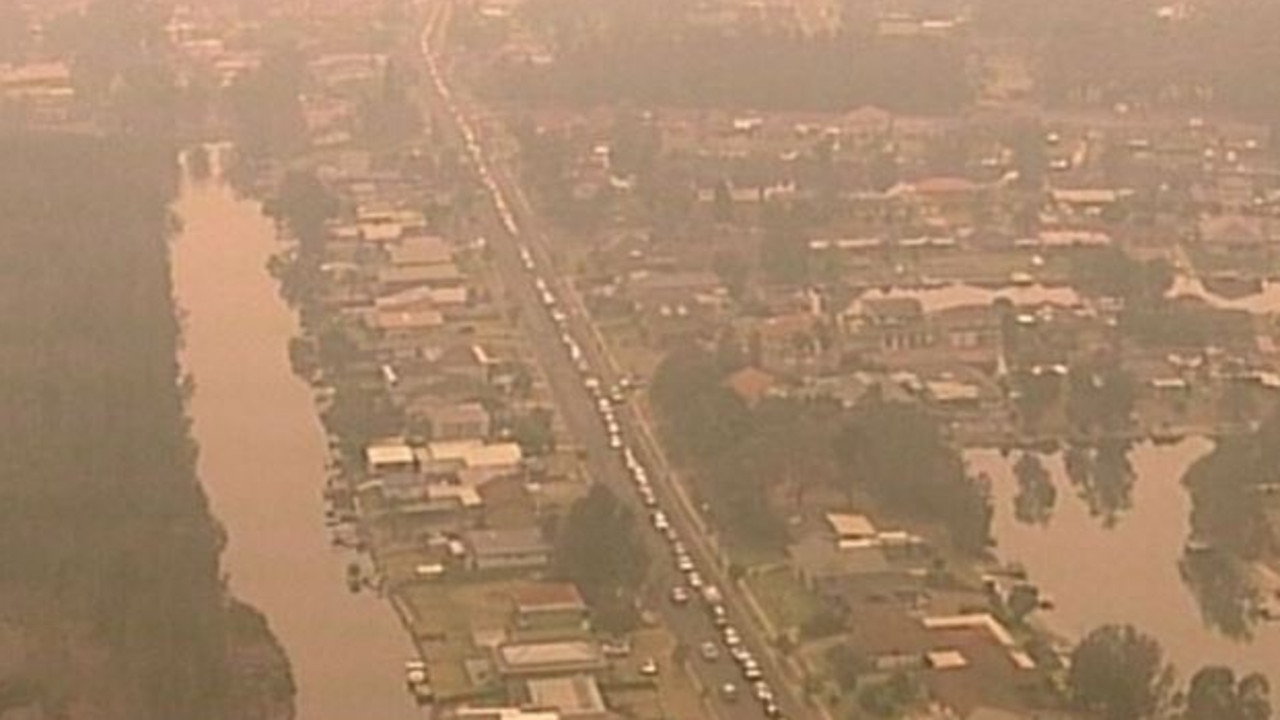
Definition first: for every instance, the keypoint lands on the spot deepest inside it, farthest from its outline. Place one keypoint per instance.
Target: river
(1126, 571)
(262, 462)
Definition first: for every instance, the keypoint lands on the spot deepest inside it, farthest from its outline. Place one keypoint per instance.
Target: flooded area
(262, 462)
(1110, 553)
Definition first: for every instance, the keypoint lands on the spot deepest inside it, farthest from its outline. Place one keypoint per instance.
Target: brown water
(1126, 573)
(262, 462)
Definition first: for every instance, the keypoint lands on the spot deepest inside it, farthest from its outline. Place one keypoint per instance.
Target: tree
(1215, 694)
(600, 550)
(1119, 673)
(897, 451)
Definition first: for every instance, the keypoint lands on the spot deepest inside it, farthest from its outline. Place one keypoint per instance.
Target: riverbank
(263, 459)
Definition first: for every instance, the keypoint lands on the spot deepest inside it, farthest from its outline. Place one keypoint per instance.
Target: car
(762, 691)
(694, 579)
(719, 617)
(679, 595)
(678, 548)
(731, 636)
(771, 710)
(414, 665)
(649, 667)
(751, 671)
(670, 533)
(684, 563)
(740, 655)
(660, 521)
(709, 651)
(729, 692)
(615, 441)
(647, 498)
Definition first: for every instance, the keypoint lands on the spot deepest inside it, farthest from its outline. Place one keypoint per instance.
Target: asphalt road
(691, 622)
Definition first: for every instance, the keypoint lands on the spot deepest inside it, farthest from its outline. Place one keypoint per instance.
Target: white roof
(946, 660)
(550, 653)
(952, 391)
(575, 694)
(389, 454)
(851, 525)
(464, 494)
(381, 231)
(476, 453)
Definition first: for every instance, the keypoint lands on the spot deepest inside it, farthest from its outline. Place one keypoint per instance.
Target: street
(516, 230)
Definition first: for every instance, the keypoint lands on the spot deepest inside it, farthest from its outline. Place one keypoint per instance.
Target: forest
(109, 557)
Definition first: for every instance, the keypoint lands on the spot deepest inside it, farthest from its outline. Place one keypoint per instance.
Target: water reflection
(1224, 589)
(1103, 477)
(1037, 494)
(1116, 551)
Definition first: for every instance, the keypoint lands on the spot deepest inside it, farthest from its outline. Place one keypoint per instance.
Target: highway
(617, 438)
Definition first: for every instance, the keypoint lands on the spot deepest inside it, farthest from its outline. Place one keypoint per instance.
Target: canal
(262, 462)
(1110, 550)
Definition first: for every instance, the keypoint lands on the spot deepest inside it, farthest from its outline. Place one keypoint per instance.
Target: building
(574, 697)
(389, 457)
(550, 608)
(507, 549)
(821, 564)
(549, 659)
(887, 325)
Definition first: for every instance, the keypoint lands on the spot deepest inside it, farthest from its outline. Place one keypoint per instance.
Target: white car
(679, 595)
(731, 637)
(684, 563)
(615, 442)
(649, 667)
(710, 651)
(694, 578)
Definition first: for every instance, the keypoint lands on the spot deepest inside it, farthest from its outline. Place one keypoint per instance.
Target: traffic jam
(694, 589)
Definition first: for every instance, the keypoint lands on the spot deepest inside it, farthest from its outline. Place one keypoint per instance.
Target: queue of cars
(607, 399)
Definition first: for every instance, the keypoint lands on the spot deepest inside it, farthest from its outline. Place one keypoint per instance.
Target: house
(566, 657)
(574, 697)
(790, 345)
(971, 334)
(887, 325)
(401, 334)
(420, 251)
(1230, 234)
(550, 608)
(507, 549)
(751, 384)
(477, 460)
(396, 278)
(389, 457)
(851, 529)
(821, 564)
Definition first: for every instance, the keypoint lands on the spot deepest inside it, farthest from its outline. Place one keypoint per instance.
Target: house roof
(751, 384)
(389, 454)
(506, 541)
(548, 596)
(548, 655)
(476, 453)
(893, 308)
(850, 525)
(407, 319)
(944, 185)
(421, 250)
(573, 696)
(1232, 230)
